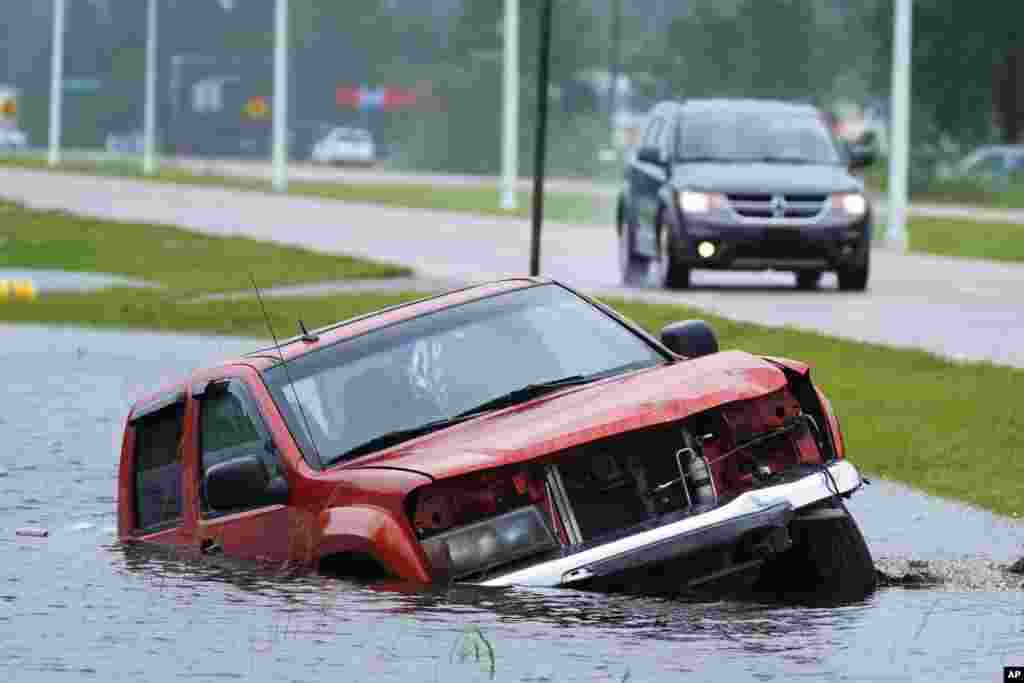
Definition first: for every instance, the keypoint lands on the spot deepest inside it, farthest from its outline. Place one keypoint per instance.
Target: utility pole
(510, 112)
(56, 82)
(616, 11)
(542, 135)
(280, 127)
(899, 153)
(149, 154)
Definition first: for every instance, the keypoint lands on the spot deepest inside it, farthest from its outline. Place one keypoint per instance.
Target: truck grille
(769, 206)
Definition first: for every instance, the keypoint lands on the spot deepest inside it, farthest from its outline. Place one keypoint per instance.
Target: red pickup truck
(512, 433)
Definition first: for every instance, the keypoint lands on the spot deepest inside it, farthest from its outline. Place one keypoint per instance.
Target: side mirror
(242, 483)
(650, 155)
(860, 154)
(690, 338)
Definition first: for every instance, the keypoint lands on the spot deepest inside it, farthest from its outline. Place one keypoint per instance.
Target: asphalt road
(956, 307)
(308, 172)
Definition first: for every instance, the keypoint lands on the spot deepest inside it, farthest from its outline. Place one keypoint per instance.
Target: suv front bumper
(747, 246)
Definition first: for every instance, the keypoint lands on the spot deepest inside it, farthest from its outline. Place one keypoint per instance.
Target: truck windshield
(771, 138)
(437, 366)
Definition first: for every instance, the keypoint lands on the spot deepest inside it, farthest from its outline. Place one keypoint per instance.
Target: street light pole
(280, 127)
(510, 99)
(56, 82)
(149, 154)
(615, 66)
(542, 134)
(899, 153)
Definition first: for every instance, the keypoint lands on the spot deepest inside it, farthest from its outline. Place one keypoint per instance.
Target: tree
(967, 77)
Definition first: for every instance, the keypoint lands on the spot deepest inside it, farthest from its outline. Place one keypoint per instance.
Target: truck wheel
(808, 279)
(632, 267)
(829, 561)
(668, 273)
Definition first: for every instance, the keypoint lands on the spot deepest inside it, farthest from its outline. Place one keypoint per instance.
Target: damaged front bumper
(762, 514)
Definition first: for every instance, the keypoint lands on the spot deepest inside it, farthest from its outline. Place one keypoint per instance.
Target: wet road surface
(955, 307)
(75, 606)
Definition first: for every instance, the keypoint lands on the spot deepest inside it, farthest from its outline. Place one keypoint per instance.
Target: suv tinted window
(158, 467)
(752, 136)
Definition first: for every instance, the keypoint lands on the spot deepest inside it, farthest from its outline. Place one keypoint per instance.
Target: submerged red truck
(511, 433)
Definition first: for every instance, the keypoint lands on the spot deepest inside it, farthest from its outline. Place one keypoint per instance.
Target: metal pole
(280, 131)
(510, 99)
(613, 90)
(56, 82)
(149, 154)
(899, 148)
(542, 134)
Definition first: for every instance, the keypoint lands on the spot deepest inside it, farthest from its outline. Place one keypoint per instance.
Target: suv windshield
(774, 138)
(438, 366)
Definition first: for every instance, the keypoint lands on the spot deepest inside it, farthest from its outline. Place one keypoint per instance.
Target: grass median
(952, 429)
(179, 260)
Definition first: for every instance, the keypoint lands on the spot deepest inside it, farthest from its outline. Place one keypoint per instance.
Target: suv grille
(804, 206)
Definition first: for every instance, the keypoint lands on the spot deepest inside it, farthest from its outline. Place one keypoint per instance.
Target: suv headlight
(851, 203)
(700, 202)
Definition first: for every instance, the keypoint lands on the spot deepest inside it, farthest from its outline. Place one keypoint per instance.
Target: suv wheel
(854, 279)
(632, 267)
(667, 271)
(808, 279)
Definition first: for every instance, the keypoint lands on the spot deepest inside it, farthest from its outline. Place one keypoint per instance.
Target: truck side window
(158, 467)
(230, 427)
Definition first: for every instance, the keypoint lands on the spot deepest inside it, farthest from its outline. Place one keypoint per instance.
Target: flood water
(75, 605)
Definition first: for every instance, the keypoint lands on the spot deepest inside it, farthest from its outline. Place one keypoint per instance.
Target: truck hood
(765, 178)
(581, 414)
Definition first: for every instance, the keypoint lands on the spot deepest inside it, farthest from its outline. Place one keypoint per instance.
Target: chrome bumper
(763, 506)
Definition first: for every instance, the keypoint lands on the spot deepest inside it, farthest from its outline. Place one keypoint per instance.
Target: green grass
(180, 260)
(558, 206)
(952, 429)
(973, 192)
(973, 239)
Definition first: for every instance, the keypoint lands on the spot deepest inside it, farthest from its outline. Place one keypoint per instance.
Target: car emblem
(778, 206)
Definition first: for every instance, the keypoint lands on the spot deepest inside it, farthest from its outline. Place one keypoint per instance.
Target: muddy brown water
(75, 605)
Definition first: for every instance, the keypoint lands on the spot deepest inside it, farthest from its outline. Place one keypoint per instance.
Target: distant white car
(999, 162)
(13, 139)
(345, 146)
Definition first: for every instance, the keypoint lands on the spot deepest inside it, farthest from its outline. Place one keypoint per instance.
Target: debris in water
(35, 533)
(1017, 567)
(968, 574)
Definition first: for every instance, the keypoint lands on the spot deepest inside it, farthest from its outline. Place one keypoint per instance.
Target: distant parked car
(746, 185)
(12, 139)
(345, 146)
(1001, 162)
(133, 142)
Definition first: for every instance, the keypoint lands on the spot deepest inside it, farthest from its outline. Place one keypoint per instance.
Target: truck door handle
(210, 546)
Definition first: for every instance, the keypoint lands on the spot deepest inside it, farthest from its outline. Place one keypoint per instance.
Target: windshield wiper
(397, 436)
(704, 158)
(780, 159)
(528, 392)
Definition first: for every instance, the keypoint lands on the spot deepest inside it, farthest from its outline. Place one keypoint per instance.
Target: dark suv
(745, 185)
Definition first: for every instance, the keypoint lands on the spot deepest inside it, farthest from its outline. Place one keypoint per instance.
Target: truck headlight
(852, 203)
(489, 543)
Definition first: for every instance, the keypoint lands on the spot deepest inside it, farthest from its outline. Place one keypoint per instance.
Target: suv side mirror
(860, 154)
(650, 155)
(241, 483)
(690, 338)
